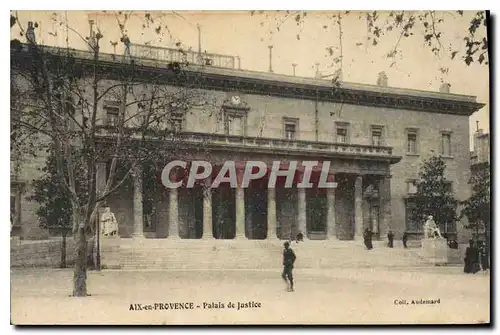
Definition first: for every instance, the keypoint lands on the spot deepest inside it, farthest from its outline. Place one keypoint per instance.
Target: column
(240, 212)
(302, 211)
(358, 208)
(173, 215)
(330, 218)
(385, 207)
(137, 206)
(271, 214)
(207, 211)
(100, 178)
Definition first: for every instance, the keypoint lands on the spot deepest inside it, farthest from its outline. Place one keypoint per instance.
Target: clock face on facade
(235, 99)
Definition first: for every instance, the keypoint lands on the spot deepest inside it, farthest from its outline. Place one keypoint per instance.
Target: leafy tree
(55, 211)
(477, 208)
(434, 194)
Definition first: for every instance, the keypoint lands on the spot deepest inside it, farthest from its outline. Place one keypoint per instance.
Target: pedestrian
(367, 236)
(484, 256)
(288, 261)
(299, 238)
(390, 237)
(471, 260)
(405, 240)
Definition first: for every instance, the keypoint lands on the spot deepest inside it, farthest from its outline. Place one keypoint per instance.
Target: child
(288, 261)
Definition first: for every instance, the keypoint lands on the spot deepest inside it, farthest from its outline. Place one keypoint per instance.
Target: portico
(360, 200)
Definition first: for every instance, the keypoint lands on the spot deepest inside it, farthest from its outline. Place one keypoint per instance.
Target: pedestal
(435, 251)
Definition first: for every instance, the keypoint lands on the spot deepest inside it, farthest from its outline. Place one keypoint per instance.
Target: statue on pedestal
(431, 230)
(109, 225)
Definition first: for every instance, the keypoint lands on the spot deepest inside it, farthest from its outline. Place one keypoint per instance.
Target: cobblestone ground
(343, 296)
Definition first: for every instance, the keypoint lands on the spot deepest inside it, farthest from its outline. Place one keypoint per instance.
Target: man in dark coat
(288, 261)
(471, 259)
(405, 240)
(390, 237)
(484, 256)
(367, 236)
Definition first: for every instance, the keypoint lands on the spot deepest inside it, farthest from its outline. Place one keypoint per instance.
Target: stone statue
(30, 33)
(431, 230)
(109, 225)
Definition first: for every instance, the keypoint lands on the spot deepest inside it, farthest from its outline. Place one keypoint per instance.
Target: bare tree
(64, 92)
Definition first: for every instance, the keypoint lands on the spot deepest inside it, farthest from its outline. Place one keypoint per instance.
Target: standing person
(405, 240)
(390, 237)
(288, 261)
(471, 259)
(367, 236)
(483, 255)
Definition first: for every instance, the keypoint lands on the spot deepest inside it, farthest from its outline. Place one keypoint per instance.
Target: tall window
(446, 144)
(412, 224)
(411, 187)
(377, 136)
(412, 141)
(342, 132)
(291, 128)
(13, 210)
(112, 113)
(449, 186)
(176, 121)
(290, 131)
(235, 125)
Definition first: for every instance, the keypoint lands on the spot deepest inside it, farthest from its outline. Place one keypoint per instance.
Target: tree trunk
(63, 251)
(80, 271)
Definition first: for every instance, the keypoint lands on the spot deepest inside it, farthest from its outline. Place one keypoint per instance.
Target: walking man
(390, 237)
(288, 261)
(405, 239)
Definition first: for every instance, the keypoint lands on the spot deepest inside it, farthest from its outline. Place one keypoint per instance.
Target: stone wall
(42, 253)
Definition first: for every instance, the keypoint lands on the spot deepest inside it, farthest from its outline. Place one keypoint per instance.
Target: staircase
(257, 254)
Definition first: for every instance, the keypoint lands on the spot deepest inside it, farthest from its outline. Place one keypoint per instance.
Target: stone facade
(375, 137)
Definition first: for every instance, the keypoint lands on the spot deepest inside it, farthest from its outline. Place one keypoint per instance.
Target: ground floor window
(412, 224)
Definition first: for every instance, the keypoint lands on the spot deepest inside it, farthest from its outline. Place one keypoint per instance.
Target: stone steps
(264, 254)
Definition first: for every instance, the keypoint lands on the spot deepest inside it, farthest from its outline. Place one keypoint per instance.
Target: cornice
(196, 77)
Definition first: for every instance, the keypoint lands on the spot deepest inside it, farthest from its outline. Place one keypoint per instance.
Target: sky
(239, 33)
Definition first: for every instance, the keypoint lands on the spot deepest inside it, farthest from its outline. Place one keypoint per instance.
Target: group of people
(476, 257)
(368, 239)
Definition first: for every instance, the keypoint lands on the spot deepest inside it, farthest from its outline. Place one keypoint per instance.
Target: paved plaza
(340, 296)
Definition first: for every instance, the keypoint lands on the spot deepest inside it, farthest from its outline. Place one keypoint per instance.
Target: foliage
(429, 25)
(477, 208)
(434, 194)
(55, 211)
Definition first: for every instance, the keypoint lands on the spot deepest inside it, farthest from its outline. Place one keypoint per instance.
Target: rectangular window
(289, 131)
(112, 116)
(377, 136)
(412, 224)
(235, 124)
(411, 187)
(13, 210)
(446, 144)
(449, 186)
(176, 121)
(412, 141)
(291, 128)
(342, 132)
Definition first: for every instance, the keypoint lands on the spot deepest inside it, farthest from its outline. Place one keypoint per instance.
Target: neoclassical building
(374, 136)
